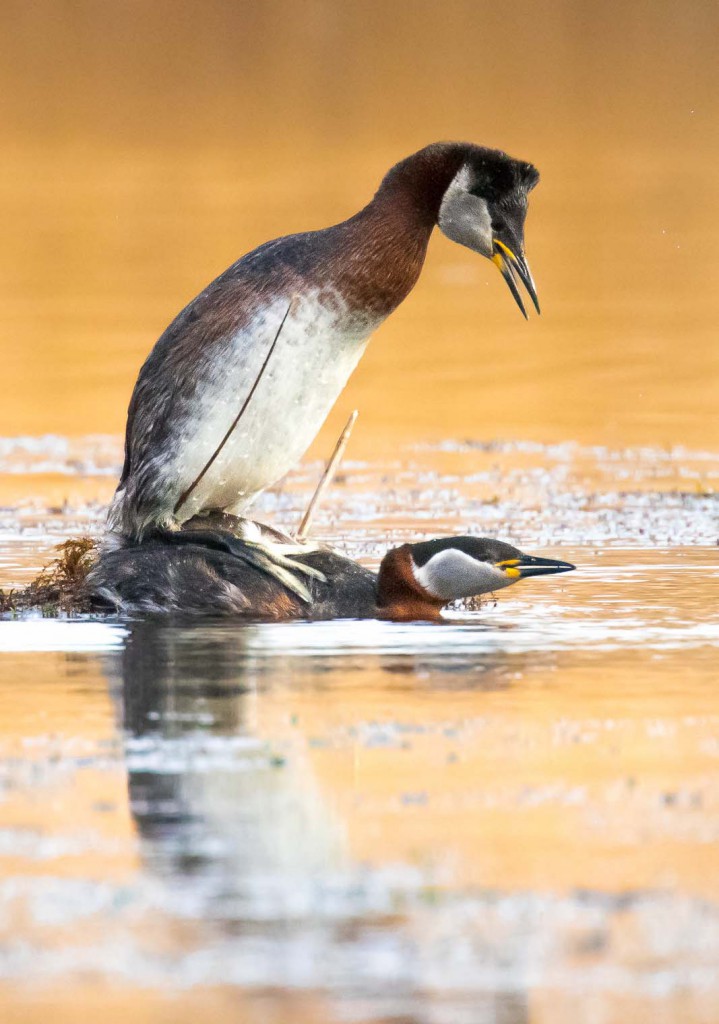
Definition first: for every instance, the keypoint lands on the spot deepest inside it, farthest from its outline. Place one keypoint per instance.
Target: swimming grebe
(238, 385)
(415, 581)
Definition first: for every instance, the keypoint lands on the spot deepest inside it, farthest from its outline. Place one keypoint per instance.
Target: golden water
(513, 817)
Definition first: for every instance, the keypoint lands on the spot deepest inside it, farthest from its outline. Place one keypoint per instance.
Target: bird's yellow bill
(508, 264)
(531, 565)
(509, 566)
(506, 250)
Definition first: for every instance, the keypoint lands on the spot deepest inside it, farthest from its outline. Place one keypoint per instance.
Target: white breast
(317, 350)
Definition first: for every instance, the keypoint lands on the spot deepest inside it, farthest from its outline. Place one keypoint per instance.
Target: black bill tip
(530, 565)
(505, 269)
(510, 265)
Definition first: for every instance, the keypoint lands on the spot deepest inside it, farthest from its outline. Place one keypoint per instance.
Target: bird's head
(485, 206)
(417, 580)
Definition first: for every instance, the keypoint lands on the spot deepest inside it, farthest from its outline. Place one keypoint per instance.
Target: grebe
(414, 582)
(239, 384)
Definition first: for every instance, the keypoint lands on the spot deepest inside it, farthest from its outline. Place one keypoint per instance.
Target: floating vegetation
(60, 587)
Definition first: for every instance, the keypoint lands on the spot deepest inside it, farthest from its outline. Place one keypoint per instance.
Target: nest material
(60, 586)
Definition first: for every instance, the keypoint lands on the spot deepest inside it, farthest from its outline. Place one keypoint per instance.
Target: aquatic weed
(59, 586)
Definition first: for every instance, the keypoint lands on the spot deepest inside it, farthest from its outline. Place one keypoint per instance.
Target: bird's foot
(282, 568)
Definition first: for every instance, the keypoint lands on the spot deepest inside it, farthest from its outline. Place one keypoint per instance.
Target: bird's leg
(245, 529)
(278, 544)
(271, 537)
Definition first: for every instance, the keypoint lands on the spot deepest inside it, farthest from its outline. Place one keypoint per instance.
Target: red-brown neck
(400, 597)
(385, 243)
(417, 184)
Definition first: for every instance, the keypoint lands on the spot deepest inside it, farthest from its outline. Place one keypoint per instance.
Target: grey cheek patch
(464, 218)
(452, 574)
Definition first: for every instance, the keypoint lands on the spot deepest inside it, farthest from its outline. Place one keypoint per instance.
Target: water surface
(510, 815)
(512, 818)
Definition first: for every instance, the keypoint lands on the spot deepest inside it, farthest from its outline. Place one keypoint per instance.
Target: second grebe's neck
(400, 597)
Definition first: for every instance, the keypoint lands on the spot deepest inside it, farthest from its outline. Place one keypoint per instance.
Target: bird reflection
(235, 827)
(208, 795)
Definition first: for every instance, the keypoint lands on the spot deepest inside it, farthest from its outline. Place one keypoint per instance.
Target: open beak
(512, 267)
(529, 565)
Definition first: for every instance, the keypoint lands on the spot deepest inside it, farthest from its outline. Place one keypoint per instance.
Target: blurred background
(147, 144)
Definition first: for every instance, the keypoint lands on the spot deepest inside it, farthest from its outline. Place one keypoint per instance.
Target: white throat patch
(451, 574)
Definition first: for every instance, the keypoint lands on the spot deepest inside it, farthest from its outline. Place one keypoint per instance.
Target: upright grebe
(239, 384)
(415, 581)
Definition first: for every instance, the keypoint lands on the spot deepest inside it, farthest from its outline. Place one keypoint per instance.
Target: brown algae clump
(60, 586)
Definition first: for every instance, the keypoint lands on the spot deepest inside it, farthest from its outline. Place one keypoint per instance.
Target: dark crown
(483, 549)
(497, 175)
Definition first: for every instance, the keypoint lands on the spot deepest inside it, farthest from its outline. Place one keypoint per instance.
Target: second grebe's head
(485, 207)
(417, 580)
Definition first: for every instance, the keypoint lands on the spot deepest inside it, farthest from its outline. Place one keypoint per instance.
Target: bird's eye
(498, 224)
